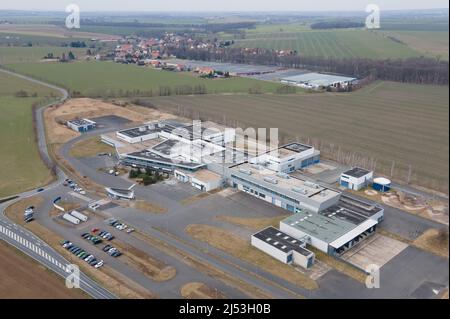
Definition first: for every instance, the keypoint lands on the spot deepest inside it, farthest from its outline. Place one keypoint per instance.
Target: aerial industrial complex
(206, 157)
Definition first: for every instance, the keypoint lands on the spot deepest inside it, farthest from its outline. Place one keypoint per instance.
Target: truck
(71, 219)
(79, 215)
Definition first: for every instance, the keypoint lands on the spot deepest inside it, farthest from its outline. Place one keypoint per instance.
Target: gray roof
(335, 221)
(357, 172)
(318, 79)
(281, 241)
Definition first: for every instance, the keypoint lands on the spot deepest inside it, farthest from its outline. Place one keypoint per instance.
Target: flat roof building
(336, 228)
(356, 178)
(318, 80)
(203, 179)
(283, 247)
(281, 189)
(81, 125)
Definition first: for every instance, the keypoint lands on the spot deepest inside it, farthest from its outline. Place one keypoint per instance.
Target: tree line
(420, 70)
(337, 25)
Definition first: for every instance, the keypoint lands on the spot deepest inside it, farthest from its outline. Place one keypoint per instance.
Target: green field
(97, 79)
(382, 123)
(329, 43)
(429, 43)
(10, 55)
(21, 167)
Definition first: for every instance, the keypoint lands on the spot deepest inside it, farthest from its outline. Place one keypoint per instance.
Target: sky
(221, 5)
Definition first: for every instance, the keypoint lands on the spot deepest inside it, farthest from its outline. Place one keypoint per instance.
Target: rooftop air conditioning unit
(142, 129)
(245, 171)
(300, 190)
(309, 184)
(270, 180)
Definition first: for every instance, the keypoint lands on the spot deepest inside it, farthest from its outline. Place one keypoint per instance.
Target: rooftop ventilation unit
(300, 190)
(151, 126)
(270, 180)
(245, 171)
(311, 184)
(283, 175)
(323, 193)
(142, 129)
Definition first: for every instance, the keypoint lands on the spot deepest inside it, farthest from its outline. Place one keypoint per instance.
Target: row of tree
(421, 70)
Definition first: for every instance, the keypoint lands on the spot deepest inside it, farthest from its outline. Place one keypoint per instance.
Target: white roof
(353, 233)
(381, 181)
(318, 79)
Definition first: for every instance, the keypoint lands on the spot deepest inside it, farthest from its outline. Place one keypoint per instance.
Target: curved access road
(25, 240)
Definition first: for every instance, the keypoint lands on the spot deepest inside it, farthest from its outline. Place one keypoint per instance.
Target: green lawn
(21, 167)
(97, 79)
(10, 55)
(329, 43)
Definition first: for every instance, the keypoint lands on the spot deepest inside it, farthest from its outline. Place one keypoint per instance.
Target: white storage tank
(71, 219)
(381, 184)
(79, 215)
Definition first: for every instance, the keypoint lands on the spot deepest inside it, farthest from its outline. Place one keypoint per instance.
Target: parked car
(99, 264)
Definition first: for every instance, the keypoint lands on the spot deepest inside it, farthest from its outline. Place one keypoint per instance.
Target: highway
(23, 239)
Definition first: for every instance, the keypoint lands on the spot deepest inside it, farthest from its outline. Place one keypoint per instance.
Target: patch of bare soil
(242, 249)
(150, 266)
(198, 290)
(256, 223)
(435, 241)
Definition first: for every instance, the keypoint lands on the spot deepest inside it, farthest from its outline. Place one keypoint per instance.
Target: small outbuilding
(283, 247)
(81, 125)
(356, 178)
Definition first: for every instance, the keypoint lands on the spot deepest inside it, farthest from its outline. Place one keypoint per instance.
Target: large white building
(337, 228)
(317, 81)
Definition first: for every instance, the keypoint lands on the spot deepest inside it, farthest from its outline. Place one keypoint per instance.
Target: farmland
(329, 43)
(97, 79)
(10, 55)
(18, 150)
(22, 278)
(430, 43)
(388, 122)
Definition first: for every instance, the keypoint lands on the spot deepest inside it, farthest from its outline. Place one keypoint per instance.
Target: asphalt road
(26, 241)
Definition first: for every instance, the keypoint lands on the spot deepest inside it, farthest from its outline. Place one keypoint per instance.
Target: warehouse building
(204, 179)
(356, 178)
(281, 189)
(138, 134)
(337, 228)
(81, 125)
(317, 81)
(283, 247)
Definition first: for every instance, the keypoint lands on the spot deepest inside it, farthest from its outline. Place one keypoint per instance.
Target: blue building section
(381, 188)
(381, 185)
(81, 125)
(344, 184)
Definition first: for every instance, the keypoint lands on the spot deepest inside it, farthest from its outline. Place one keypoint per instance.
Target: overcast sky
(222, 5)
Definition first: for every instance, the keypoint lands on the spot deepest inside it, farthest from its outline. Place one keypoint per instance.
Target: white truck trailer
(71, 219)
(79, 215)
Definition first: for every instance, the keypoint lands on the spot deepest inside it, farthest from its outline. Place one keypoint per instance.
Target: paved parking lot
(377, 250)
